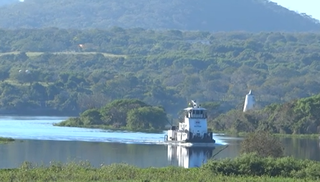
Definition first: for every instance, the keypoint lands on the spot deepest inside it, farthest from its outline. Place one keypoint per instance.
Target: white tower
(249, 102)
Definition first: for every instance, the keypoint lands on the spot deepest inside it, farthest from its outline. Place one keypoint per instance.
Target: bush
(254, 165)
(262, 143)
(70, 122)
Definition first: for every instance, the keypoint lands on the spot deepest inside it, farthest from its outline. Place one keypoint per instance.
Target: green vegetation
(128, 114)
(255, 165)
(205, 15)
(249, 167)
(279, 135)
(160, 68)
(300, 136)
(300, 116)
(164, 68)
(263, 144)
(5, 140)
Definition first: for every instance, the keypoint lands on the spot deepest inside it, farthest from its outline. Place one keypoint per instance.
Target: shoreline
(244, 134)
(111, 128)
(224, 133)
(6, 140)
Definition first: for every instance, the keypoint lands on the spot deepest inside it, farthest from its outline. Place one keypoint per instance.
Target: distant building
(249, 102)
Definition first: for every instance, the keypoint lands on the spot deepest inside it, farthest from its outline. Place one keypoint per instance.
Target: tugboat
(193, 130)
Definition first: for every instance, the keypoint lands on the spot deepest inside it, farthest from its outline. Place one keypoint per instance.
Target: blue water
(39, 142)
(41, 128)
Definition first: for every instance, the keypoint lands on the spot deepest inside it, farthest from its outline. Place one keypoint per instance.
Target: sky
(310, 7)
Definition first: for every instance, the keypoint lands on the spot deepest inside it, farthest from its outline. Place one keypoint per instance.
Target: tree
(64, 77)
(4, 73)
(37, 92)
(146, 118)
(52, 90)
(91, 117)
(262, 143)
(115, 112)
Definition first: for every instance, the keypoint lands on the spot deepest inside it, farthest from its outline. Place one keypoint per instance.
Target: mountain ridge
(206, 15)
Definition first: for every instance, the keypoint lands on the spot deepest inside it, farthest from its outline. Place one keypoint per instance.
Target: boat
(192, 130)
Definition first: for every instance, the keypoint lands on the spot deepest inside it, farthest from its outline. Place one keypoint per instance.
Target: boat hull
(191, 144)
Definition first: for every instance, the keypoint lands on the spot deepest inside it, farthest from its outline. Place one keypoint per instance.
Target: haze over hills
(204, 15)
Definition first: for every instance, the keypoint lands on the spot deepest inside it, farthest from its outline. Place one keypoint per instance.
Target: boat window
(196, 114)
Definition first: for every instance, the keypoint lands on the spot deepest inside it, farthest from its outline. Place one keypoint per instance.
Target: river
(39, 142)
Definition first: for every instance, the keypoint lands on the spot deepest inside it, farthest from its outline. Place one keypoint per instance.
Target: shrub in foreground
(243, 168)
(254, 165)
(263, 144)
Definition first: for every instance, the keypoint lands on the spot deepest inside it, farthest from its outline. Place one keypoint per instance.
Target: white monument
(249, 102)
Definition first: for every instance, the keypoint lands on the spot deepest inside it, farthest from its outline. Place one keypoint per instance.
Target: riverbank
(70, 123)
(248, 167)
(115, 129)
(244, 134)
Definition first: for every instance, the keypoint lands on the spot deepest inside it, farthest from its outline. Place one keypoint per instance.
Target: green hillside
(204, 15)
(166, 68)
(300, 116)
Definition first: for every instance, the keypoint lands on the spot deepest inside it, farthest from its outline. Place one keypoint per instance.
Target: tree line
(128, 114)
(300, 116)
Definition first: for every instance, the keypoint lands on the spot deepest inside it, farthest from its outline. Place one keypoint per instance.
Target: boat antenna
(194, 103)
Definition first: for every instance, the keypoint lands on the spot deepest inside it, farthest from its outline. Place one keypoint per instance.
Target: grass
(122, 172)
(6, 140)
(35, 54)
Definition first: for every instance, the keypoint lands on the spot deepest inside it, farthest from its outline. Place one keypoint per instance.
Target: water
(39, 142)
(41, 128)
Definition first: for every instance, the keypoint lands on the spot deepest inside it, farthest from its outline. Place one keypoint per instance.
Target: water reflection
(301, 148)
(42, 152)
(189, 157)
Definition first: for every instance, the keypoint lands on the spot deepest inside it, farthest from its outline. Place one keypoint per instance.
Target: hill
(166, 68)
(204, 15)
